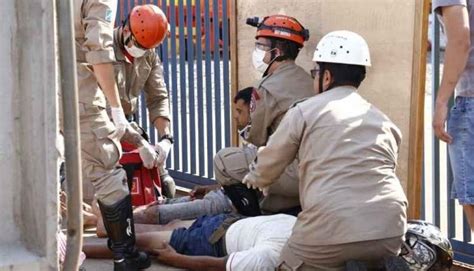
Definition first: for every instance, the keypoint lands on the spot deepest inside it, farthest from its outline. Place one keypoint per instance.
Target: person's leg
(232, 164)
(230, 167)
(461, 156)
(97, 248)
(195, 240)
(141, 228)
(215, 202)
(100, 156)
(469, 211)
(334, 257)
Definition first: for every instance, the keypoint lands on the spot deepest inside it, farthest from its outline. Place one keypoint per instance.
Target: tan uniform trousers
(334, 257)
(232, 164)
(100, 155)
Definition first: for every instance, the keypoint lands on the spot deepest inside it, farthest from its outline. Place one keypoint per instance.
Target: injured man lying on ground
(219, 242)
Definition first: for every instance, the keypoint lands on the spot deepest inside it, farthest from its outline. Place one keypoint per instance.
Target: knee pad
(230, 166)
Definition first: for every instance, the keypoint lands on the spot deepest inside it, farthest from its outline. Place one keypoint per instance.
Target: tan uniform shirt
(93, 25)
(145, 73)
(274, 96)
(347, 151)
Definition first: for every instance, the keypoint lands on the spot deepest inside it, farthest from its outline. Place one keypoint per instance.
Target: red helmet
(149, 25)
(280, 26)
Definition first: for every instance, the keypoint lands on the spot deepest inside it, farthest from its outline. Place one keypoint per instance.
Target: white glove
(163, 149)
(121, 123)
(148, 155)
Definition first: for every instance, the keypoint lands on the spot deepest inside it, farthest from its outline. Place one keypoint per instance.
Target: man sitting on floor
(203, 200)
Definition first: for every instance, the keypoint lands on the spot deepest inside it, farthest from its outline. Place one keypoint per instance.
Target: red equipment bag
(144, 184)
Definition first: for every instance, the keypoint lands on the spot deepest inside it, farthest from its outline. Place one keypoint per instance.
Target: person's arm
(456, 26)
(149, 241)
(162, 125)
(156, 96)
(105, 76)
(261, 115)
(280, 151)
(98, 24)
(169, 256)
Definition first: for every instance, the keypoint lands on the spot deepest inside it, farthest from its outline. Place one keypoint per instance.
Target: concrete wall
(8, 160)
(388, 27)
(28, 121)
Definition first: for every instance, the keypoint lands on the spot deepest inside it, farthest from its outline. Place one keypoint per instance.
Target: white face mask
(244, 132)
(257, 59)
(135, 51)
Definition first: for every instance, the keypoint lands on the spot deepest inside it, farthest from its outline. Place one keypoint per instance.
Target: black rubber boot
(168, 187)
(118, 221)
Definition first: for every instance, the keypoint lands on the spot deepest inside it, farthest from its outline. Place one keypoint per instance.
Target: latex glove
(148, 155)
(121, 123)
(163, 149)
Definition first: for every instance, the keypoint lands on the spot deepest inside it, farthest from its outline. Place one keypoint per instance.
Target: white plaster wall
(8, 158)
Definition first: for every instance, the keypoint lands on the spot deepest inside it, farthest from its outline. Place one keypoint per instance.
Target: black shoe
(168, 187)
(133, 263)
(118, 221)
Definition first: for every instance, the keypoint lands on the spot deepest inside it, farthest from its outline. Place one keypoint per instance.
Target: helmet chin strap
(273, 59)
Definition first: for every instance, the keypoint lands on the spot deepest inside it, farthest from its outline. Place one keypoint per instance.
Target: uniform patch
(253, 100)
(109, 15)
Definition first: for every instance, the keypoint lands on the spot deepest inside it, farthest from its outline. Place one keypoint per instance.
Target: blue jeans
(194, 241)
(461, 150)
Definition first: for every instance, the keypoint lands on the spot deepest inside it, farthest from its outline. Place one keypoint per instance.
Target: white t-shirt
(255, 243)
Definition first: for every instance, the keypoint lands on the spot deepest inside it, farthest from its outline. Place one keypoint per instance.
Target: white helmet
(342, 47)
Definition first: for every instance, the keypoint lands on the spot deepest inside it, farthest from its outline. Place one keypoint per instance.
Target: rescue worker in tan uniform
(138, 68)
(279, 39)
(354, 207)
(100, 138)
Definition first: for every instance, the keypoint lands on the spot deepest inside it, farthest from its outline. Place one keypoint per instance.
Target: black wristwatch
(167, 136)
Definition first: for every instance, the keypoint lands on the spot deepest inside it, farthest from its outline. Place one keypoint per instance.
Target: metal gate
(196, 64)
(437, 205)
